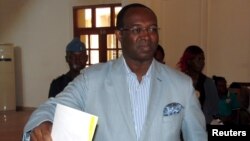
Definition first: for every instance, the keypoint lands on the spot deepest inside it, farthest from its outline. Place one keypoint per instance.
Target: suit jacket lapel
(155, 98)
(121, 92)
(156, 88)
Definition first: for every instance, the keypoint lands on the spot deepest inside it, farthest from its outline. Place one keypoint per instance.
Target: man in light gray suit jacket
(135, 97)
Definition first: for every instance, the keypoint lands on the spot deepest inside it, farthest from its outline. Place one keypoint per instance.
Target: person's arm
(44, 113)
(73, 96)
(211, 108)
(194, 124)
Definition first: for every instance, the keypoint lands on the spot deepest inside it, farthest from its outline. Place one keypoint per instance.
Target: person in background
(243, 96)
(135, 97)
(192, 63)
(159, 54)
(228, 104)
(76, 58)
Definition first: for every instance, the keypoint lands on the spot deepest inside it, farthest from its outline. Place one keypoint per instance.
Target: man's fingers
(47, 133)
(42, 132)
(36, 135)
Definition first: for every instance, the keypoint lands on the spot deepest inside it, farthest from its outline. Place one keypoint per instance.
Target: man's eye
(139, 30)
(136, 30)
(153, 30)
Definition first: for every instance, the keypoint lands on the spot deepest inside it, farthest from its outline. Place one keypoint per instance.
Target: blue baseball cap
(76, 45)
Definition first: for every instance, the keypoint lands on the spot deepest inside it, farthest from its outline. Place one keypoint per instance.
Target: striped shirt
(139, 96)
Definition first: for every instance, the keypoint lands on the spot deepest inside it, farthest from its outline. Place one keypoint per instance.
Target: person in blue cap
(76, 57)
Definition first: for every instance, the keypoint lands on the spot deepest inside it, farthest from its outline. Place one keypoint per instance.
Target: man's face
(197, 64)
(139, 36)
(76, 60)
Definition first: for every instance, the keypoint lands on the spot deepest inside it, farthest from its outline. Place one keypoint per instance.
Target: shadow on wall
(18, 77)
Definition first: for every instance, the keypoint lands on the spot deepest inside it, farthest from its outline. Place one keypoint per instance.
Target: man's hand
(42, 132)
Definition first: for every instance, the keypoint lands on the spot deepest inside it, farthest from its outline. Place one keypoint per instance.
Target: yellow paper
(73, 125)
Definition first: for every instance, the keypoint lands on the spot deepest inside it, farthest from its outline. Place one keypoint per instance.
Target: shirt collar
(129, 72)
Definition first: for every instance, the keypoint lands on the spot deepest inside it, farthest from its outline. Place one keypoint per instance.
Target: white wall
(41, 29)
(229, 39)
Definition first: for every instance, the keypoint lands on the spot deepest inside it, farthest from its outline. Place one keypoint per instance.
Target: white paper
(72, 125)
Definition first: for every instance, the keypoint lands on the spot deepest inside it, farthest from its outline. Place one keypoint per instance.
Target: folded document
(73, 125)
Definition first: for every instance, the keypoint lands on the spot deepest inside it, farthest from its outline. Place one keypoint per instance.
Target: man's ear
(118, 34)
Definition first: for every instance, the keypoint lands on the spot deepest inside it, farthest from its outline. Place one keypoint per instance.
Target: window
(95, 26)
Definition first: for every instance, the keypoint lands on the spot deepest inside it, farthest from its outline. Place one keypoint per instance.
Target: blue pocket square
(172, 108)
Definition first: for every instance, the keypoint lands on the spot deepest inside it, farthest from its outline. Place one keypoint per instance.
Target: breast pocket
(173, 118)
(172, 124)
